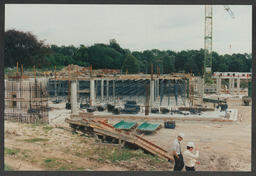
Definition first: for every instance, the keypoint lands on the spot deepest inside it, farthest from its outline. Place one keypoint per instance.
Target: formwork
(26, 101)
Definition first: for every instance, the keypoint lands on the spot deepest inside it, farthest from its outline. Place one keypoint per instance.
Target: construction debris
(100, 128)
(76, 70)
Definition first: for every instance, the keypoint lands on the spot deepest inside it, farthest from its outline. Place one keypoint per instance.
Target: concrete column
(220, 85)
(78, 90)
(151, 99)
(157, 88)
(92, 93)
(217, 85)
(107, 86)
(96, 88)
(73, 97)
(102, 89)
(233, 85)
(55, 88)
(218, 80)
(18, 95)
(230, 85)
(238, 85)
(202, 87)
(114, 90)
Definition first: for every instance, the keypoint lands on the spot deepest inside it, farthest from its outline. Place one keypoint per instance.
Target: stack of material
(131, 108)
(164, 110)
(74, 70)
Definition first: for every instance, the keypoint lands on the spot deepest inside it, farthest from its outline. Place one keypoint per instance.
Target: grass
(8, 168)
(47, 128)
(11, 151)
(59, 165)
(36, 140)
(127, 154)
(51, 163)
(115, 154)
(25, 154)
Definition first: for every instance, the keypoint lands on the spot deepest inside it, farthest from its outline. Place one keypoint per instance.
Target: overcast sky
(135, 27)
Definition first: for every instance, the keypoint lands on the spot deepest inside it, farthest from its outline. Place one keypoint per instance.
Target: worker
(178, 158)
(190, 157)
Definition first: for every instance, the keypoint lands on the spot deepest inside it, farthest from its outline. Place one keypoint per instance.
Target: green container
(125, 125)
(249, 89)
(145, 126)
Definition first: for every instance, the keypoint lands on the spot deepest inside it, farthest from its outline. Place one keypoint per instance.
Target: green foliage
(130, 64)
(25, 48)
(36, 140)
(11, 151)
(47, 128)
(59, 164)
(168, 66)
(8, 168)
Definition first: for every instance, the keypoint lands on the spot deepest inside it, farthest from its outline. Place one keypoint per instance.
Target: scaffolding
(26, 101)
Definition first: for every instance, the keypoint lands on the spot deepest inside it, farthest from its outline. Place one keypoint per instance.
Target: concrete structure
(114, 90)
(157, 88)
(238, 85)
(26, 100)
(107, 89)
(73, 97)
(92, 93)
(78, 90)
(102, 89)
(123, 88)
(151, 98)
(232, 77)
(232, 85)
(218, 81)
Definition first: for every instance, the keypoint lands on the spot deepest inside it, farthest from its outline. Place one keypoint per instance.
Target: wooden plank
(108, 130)
(160, 118)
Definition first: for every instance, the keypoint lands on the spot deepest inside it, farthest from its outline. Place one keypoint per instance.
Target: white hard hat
(181, 135)
(191, 144)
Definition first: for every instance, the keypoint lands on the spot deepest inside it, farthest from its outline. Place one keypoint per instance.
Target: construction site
(78, 118)
(139, 114)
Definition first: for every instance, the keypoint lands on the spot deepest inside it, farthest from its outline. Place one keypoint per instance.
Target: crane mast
(208, 42)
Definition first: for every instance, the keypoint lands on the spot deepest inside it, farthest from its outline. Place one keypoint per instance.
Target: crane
(208, 40)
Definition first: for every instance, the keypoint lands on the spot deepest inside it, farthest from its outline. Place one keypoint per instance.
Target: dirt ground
(223, 146)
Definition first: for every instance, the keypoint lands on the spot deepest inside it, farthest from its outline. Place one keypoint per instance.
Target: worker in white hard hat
(178, 158)
(190, 158)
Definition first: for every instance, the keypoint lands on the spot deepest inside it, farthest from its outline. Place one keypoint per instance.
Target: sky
(135, 27)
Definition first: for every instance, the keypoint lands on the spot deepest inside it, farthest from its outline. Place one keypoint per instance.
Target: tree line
(27, 49)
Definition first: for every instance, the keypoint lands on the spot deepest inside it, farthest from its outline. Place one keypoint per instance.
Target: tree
(168, 64)
(113, 44)
(25, 48)
(130, 64)
(103, 56)
(190, 66)
(180, 60)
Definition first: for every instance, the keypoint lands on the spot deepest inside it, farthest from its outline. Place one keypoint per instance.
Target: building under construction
(26, 100)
